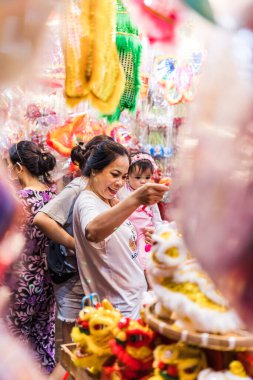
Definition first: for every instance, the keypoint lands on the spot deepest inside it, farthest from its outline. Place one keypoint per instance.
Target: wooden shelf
(67, 363)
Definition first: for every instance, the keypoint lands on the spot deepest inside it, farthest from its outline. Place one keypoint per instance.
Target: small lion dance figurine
(133, 347)
(94, 330)
(178, 362)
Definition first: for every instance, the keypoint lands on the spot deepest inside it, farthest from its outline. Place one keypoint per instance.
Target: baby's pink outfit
(141, 218)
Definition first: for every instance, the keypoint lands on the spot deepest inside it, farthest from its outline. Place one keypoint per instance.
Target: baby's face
(137, 178)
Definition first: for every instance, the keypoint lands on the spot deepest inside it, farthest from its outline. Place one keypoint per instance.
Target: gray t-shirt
(110, 268)
(61, 208)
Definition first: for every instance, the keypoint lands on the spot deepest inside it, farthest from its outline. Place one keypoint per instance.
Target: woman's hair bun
(101, 155)
(81, 152)
(46, 162)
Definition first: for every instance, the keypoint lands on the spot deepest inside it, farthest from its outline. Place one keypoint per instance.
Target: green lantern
(129, 49)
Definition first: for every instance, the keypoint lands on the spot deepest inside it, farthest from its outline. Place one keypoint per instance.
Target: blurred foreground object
(216, 183)
(202, 7)
(227, 14)
(21, 22)
(11, 242)
(157, 18)
(15, 360)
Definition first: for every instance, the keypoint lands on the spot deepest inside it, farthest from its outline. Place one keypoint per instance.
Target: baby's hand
(148, 235)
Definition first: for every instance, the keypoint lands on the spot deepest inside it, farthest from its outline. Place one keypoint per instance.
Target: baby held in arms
(144, 218)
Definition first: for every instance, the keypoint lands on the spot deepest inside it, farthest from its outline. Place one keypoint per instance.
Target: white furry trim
(230, 376)
(164, 244)
(195, 275)
(209, 374)
(201, 319)
(159, 310)
(157, 271)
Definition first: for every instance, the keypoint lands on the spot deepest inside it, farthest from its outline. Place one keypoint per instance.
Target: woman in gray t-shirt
(53, 220)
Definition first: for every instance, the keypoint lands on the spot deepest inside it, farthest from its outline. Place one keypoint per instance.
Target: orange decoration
(165, 181)
(78, 128)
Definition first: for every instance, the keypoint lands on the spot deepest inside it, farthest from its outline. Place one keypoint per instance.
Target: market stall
(171, 79)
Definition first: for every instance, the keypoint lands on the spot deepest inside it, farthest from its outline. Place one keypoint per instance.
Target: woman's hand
(114, 201)
(150, 193)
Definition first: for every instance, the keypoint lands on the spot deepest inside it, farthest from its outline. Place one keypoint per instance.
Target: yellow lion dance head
(92, 333)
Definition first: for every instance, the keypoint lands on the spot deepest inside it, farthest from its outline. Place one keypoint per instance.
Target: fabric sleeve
(88, 208)
(59, 208)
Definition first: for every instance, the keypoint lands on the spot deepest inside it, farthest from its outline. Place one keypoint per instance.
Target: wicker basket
(240, 341)
(67, 363)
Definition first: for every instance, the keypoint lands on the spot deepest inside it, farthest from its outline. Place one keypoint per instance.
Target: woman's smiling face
(110, 180)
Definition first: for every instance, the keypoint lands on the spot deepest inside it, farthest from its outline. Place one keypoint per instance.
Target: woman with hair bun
(56, 221)
(106, 241)
(31, 316)
(80, 151)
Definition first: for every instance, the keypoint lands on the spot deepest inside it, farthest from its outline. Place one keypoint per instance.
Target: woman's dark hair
(79, 152)
(101, 155)
(140, 166)
(29, 155)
